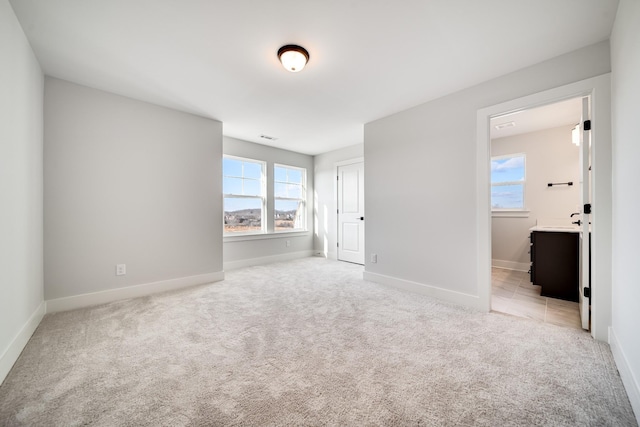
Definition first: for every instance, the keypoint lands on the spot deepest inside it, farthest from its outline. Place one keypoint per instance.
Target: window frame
(510, 212)
(262, 197)
(302, 199)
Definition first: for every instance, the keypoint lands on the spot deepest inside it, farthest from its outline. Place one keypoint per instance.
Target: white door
(585, 183)
(351, 213)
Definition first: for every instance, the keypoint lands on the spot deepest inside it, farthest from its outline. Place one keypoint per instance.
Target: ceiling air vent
(505, 125)
(270, 138)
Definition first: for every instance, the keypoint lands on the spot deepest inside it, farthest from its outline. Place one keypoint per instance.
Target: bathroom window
(289, 198)
(508, 182)
(243, 186)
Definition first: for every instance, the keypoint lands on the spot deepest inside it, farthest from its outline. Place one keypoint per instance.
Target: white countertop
(557, 228)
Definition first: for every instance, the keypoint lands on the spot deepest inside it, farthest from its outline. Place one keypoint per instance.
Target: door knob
(361, 218)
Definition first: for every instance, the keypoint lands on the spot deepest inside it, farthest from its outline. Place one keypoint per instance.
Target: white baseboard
(429, 290)
(12, 352)
(629, 380)
(250, 262)
(511, 265)
(103, 297)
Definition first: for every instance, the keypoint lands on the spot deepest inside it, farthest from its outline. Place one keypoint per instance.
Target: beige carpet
(308, 343)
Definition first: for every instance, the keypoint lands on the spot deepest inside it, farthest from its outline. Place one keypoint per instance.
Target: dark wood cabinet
(555, 263)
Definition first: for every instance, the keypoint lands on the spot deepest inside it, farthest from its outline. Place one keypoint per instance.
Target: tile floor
(513, 293)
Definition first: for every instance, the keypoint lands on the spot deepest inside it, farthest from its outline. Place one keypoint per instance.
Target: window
(244, 195)
(507, 182)
(290, 198)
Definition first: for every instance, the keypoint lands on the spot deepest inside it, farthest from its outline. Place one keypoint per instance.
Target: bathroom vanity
(555, 261)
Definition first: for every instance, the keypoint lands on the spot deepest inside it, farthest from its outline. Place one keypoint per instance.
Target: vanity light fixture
(293, 57)
(575, 135)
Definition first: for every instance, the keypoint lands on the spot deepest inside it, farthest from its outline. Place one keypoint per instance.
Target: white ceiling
(550, 116)
(369, 58)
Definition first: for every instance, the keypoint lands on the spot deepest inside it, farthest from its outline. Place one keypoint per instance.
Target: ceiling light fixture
(293, 57)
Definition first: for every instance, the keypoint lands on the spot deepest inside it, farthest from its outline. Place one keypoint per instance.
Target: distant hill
(244, 212)
(256, 212)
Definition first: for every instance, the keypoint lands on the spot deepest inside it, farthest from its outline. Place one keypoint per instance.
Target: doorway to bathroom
(536, 187)
(597, 91)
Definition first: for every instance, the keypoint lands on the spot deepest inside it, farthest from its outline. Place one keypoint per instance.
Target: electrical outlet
(121, 269)
(374, 258)
(288, 243)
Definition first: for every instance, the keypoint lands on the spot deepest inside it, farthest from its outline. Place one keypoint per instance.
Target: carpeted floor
(308, 342)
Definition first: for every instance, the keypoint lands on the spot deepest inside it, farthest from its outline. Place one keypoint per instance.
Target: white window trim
(276, 235)
(263, 198)
(516, 212)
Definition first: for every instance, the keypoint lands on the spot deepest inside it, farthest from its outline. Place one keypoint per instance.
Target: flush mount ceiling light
(293, 57)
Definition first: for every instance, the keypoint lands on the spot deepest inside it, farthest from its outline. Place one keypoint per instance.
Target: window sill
(265, 236)
(510, 214)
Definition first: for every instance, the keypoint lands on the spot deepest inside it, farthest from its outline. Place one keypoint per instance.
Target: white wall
(550, 157)
(242, 251)
(21, 271)
(625, 64)
(325, 237)
(420, 178)
(127, 182)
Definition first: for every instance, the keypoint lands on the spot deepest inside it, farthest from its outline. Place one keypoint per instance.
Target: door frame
(336, 166)
(599, 90)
